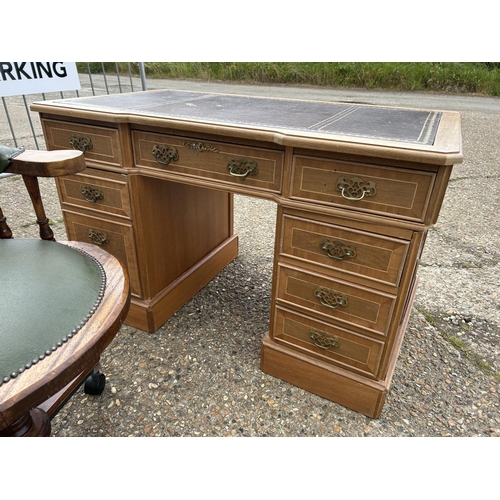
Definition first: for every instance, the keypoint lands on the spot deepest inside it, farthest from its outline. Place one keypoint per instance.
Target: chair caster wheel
(95, 384)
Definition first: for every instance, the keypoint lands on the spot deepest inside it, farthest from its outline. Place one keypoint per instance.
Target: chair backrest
(30, 165)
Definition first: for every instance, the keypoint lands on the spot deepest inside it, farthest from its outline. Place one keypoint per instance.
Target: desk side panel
(177, 225)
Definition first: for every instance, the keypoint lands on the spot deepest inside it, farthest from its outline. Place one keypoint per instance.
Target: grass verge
(449, 77)
(460, 345)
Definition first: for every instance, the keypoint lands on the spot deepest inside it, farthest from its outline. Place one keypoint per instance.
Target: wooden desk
(357, 188)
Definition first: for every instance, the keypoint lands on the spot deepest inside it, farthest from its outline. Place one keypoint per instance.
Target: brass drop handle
(81, 143)
(92, 194)
(323, 340)
(164, 154)
(355, 188)
(242, 168)
(337, 249)
(98, 237)
(330, 298)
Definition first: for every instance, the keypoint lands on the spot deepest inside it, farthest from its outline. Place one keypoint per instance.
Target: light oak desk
(357, 188)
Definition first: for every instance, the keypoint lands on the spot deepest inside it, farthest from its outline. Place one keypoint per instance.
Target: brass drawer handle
(92, 194)
(337, 249)
(355, 189)
(98, 237)
(200, 147)
(81, 143)
(330, 298)
(323, 339)
(242, 168)
(164, 154)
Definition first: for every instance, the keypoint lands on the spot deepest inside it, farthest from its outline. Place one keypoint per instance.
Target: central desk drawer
(334, 247)
(99, 144)
(368, 188)
(96, 190)
(352, 305)
(242, 166)
(329, 343)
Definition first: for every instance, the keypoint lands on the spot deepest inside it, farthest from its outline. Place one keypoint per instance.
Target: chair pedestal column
(36, 423)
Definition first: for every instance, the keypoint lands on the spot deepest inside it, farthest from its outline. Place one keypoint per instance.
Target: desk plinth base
(354, 392)
(149, 315)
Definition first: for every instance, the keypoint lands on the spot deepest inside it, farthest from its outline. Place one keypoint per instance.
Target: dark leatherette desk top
(284, 119)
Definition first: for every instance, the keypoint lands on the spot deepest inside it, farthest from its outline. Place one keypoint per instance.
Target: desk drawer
(242, 166)
(117, 239)
(344, 302)
(99, 144)
(96, 190)
(340, 346)
(334, 247)
(367, 188)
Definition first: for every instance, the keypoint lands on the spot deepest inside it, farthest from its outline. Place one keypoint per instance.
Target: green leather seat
(48, 292)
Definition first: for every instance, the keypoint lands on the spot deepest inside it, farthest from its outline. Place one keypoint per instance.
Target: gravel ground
(199, 375)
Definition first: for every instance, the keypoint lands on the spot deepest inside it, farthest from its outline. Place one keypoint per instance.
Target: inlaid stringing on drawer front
(108, 194)
(344, 302)
(328, 342)
(369, 188)
(97, 143)
(213, 161)
(369, 255)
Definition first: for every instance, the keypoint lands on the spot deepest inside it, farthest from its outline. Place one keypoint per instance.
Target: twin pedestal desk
(357, 188)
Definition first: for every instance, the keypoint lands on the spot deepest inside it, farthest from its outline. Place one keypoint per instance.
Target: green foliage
(451, 77)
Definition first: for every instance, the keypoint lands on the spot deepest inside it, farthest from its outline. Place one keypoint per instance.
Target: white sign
(18, 78)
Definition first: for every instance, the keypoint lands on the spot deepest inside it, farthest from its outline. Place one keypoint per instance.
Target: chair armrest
(47, 163)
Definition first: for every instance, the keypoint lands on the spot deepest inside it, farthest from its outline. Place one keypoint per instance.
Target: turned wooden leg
(36, 423)
(33, 188)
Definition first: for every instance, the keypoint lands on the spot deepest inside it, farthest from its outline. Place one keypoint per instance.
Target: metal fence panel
(19, 127)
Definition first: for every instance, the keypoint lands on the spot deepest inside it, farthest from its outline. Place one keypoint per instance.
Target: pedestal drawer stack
(344, 277)
(96, 203)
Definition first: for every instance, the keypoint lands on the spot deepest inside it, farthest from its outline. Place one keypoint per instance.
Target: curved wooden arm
(32, 164)
(47, 163)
